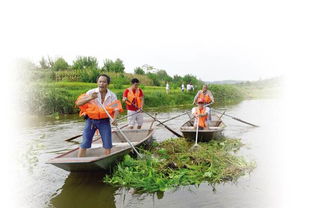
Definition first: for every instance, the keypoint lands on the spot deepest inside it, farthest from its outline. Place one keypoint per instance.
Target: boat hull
(214, 131)
(95, 160)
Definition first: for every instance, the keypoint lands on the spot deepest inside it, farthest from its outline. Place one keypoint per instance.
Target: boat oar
(168, 128)
(237, 119)
(172, 118)
(195, 147)
(118, 128)
(74, 137)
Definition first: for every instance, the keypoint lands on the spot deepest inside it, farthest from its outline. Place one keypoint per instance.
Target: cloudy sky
(213, 40)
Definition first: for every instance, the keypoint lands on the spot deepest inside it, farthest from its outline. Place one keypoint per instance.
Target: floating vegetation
(171, 164)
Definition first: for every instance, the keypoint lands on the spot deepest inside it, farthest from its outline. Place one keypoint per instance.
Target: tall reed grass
(60, 97)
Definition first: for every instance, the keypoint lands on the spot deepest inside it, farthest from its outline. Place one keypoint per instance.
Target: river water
(44, 185)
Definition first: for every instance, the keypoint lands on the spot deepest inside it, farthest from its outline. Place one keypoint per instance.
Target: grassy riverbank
(59, 97)
(171, 164)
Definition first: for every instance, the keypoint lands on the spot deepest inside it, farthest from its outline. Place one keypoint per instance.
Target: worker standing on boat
(206, 95)
(91, 107)
(201, 114)
(134, 98)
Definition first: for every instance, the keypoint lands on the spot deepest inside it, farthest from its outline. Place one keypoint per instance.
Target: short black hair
(104, 75)
(135, 80)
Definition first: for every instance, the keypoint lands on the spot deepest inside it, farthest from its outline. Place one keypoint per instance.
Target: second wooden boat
(215, 129)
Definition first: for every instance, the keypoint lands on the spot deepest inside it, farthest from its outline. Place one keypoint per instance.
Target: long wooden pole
(172, 118)
(237, 119)
(118, 128)
(168, 128)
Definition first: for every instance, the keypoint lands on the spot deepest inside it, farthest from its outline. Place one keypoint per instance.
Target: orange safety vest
(207, 99)
(202, 119)
(131, 96)
(95, 111)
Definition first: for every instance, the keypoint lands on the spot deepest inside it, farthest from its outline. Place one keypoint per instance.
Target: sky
(213, 40)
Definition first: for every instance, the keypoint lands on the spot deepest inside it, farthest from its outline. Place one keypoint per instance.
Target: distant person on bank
(91, 107)
(188, 87)
(201, 115)
(134, 99)
(182, 87)
(167, 87)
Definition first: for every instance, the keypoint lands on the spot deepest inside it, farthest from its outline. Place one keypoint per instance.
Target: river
(44, 185)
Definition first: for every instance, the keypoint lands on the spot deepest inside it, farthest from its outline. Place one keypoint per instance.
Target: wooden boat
(215, 129)
(95, 160)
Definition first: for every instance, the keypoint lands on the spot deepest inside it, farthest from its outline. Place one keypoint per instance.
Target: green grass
(59, 97)
(171, 164)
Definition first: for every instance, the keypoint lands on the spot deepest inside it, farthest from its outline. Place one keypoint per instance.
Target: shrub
(139, 70)
(84, 62)
(113, 66)
(60, 64)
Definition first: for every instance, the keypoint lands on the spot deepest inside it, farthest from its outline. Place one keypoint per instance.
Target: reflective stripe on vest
(95, 111)
(131, 96)
(202, 119)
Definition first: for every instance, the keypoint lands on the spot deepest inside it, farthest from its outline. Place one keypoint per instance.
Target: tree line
(89, 65)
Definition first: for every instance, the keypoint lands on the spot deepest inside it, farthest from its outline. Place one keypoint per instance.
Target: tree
(148, 68)
(113, 66)
(177, 78)
(83, 62)
(188, 78)
(139, 70)
(43, 63)
(60, 64)
(162, 75)
(154, 78)
(50, 62)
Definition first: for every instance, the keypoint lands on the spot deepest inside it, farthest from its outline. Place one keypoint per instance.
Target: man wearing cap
(201, 114)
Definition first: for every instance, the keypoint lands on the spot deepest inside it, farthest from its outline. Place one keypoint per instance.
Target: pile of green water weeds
(172, 163)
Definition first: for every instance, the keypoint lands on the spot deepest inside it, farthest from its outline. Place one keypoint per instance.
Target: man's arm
(124, 96)
(142, 101)
(86, 99)
(196, 97)
(211, 96)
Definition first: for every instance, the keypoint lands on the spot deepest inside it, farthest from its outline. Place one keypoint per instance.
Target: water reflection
(84, 190)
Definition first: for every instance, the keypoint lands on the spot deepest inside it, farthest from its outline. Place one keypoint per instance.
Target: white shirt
(183, 86)
(110, 97)
(167, 86)
(193, 111)
(188, 87)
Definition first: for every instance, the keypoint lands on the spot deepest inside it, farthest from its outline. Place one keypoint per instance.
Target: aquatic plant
(171, 164)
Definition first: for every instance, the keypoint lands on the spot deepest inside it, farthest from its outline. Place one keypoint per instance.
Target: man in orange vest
(204, 94)
(201, 114)
(134, 98)
(91, 106)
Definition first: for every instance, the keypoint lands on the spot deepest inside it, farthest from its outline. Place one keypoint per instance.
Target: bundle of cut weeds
(171, 164)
